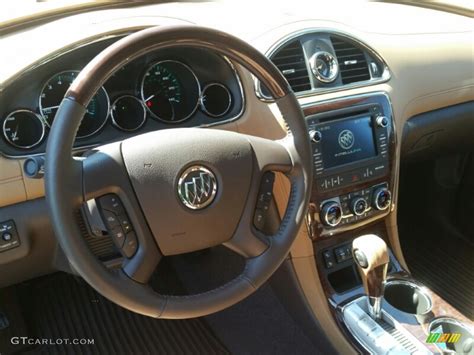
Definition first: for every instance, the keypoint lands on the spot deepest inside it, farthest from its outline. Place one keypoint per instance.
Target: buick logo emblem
(346, 139)
(197, 187)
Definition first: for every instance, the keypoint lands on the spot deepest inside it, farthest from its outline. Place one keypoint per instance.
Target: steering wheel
(183, 189)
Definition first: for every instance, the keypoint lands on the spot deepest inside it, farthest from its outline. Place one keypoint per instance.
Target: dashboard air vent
(290, 60)
(352, 61)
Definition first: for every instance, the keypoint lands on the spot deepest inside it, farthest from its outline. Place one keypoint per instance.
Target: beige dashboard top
(429, 53)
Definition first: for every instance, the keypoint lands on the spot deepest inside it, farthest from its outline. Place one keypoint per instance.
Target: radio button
(331, 213)
(315, 136)
(382, 121)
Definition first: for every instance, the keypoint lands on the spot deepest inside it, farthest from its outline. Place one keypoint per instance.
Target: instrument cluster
(184, 87)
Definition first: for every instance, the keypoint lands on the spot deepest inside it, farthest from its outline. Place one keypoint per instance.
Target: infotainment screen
(347, 141)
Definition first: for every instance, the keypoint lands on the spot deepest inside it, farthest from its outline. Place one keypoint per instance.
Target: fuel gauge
(23, 129)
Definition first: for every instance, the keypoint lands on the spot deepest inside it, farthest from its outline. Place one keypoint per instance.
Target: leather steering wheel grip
(65, 185)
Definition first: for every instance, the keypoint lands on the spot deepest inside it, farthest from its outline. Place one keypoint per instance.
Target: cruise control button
(259, 219)
(118, 236)
(111, 203)
(125, 223)
(131, 245)
(110, 219)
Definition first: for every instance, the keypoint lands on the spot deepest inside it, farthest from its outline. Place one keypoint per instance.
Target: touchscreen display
(347, 141)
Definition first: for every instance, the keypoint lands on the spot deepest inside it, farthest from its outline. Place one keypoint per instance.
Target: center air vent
(352, 61)
(290, 60)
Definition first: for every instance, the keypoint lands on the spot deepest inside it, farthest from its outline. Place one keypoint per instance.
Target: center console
(352, 150)
(354, 155)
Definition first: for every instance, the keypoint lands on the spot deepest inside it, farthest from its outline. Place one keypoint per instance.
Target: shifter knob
(371, 256)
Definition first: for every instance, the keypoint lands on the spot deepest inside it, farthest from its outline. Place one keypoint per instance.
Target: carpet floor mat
(445, 265)
(65, 307)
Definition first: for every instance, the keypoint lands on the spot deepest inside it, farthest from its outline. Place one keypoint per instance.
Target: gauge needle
(149, 98)
(50, 108)
(15, 134)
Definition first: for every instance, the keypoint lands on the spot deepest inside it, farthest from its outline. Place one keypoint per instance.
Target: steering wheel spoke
(247, 241)
(106, 183)
(271, 155)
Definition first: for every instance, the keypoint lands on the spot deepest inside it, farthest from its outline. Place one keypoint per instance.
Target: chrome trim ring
(40, 106)
(38, 117)
(330, 61)
(197, 187)
(354, 204)
(203, 106)
(144, 99)
(114, 122)
(422, 290)
(330, 205)
(376, 198)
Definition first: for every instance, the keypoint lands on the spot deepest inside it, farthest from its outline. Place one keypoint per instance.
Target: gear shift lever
(371, 256)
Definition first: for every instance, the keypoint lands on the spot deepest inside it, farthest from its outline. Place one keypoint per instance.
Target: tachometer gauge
(170, 91)
(52, 94)
(23, 129)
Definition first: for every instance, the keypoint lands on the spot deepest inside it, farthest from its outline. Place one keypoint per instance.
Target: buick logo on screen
(197, 187)
(346, 139)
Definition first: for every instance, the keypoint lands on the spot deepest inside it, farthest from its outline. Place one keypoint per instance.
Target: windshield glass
(14, 9)
(17, 10)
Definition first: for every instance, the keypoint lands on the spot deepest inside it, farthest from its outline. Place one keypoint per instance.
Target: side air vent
(290, 60)
(352, 61)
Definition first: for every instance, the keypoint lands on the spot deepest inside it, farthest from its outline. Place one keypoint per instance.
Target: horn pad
(192, 184)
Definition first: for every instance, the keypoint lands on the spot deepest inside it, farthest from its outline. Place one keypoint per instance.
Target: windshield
(13, 12)
(10, 10)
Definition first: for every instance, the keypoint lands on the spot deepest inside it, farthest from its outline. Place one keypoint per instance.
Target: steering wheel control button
(110, 219)
(197, 187)
(118, 224)
(111, 203)
(264, 199)
(331, 213)
(125, 223)
(118, 236)
(131, 245)
(9, 238)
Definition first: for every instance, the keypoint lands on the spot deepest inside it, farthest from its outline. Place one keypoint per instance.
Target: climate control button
(382, 198)
(358, 206)
(331, 213)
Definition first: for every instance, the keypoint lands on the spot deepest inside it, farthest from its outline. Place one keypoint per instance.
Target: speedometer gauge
(52, 94)
(170, 91)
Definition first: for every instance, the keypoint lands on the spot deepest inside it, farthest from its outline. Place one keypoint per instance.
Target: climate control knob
(331, 213)
(382, 198)
(358, 206)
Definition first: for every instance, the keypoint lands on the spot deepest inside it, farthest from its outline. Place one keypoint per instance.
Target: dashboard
(409, 62)
(184, 87)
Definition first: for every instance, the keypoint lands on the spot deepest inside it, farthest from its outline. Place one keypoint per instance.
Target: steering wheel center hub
(194, 191)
